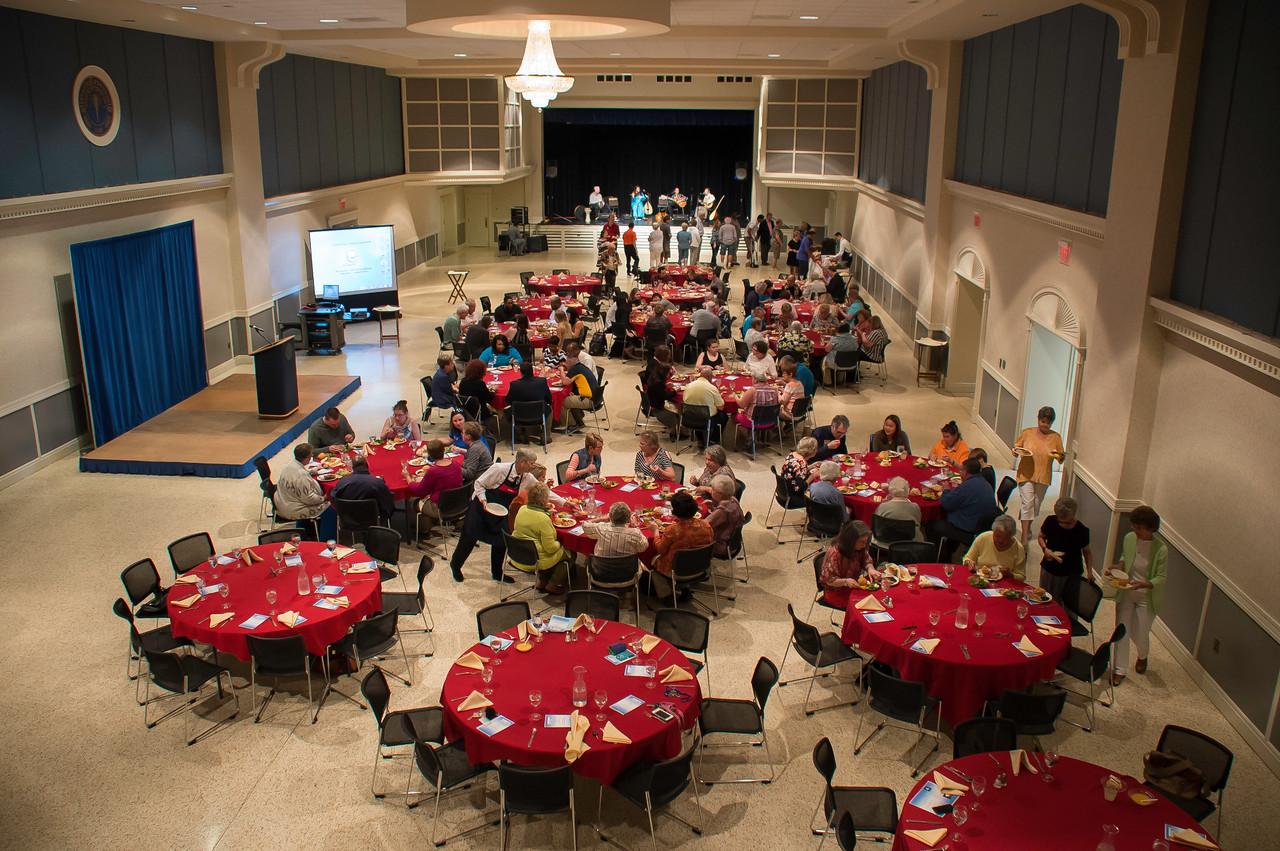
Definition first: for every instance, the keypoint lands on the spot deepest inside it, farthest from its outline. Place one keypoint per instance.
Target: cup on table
(1111, 787)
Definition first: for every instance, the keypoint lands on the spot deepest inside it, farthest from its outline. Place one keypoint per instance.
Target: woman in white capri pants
(1143, 560)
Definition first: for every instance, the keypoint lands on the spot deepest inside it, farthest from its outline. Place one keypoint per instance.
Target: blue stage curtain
(141, 328)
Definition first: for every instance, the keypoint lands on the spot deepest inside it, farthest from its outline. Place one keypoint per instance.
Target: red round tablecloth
(804, 310)
(963, 685)
(730, 384)
(821, 342)
(549, 668)
(1066, 814)
(540, 331)
(249, 585)
(549, 284)
(626, 492)
(386, 464)
(877, 475)
(690, 297)
(677, 274)
(499, 381)
(539, 306)
(679, 324)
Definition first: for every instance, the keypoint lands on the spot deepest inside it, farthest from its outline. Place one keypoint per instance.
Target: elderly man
(824, 490)
(729, 243)
(900, 507)
(515, 240)
(1000, 548)
(701, 391)
(299, 497)
(332, 431)
(596, 202)
(443, 383)
(831, 438)
(478, 458)
(617, 538)
(499, 485)
(726, 514)
(705, 318)
(453, 324)
(968, 507)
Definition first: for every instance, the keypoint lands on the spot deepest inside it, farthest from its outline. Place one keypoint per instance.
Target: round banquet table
(249, 584)
(540, 331)
(1066, 814)
(679, 325)
(680, 296)
(877, 478)
(821, 342)
(499, 381)
(549, 667)
(539, 306)
(549, 284)
(730, 384)
(963, 685)
(677, 274)
(635, 498)
(804, 310)
(385, 463)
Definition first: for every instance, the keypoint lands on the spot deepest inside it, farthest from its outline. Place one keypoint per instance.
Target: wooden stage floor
(217, 431)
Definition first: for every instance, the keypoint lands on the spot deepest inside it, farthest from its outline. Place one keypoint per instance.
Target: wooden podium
(277, 379)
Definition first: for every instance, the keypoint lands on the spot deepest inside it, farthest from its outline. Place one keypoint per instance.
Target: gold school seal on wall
(97, 105)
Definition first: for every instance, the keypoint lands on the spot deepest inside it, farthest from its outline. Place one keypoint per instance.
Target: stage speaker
(552, 170)
(740, 171)
(536, 243)
(520, 215)
(580, 215)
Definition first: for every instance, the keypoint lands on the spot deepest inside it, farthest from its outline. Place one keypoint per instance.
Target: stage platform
(216, 432)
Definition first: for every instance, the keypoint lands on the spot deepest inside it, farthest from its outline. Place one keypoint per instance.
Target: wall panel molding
(1061, 218)
(1230, 341)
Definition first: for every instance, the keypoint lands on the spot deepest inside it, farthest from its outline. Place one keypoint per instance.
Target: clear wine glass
(979, 618)
(225, 592)
(486, 675)
(888, 602)
(601, 698)
(296, 539)
(213, 563)
(934, 617)
(331, 544)
(949, 569)
(271, 600)
(1050, 760)
(317, 579)
(979, 787)
(1022, 614)
(535, 700)
(590, 625)
(960, 813)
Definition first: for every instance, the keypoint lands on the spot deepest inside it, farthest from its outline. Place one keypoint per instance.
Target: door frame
(1051, 310)
(970, 267)
(486, 196)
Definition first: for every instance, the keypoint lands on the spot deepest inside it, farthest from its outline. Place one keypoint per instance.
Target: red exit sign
(1064, 252)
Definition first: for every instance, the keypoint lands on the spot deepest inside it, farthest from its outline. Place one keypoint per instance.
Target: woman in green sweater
(1143, 561)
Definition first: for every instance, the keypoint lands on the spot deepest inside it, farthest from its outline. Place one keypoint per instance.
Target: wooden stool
(457, 277)
(930, 355)
(390, 313)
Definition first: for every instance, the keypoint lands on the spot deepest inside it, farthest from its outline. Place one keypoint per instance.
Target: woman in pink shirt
(440, 475)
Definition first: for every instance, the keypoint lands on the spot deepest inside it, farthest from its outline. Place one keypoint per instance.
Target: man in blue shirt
(831, 438)
(969, 508)
(805, 376)
(443, 394)
(684, 238)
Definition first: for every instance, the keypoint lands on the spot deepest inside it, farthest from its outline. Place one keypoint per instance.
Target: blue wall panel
(1038, 106)
(392, 127)
(1229, 218)
(360, 121)
(284, 110)
(168, 106)
(342, 119)
(304, 97)
(894, 149)
(327, 131)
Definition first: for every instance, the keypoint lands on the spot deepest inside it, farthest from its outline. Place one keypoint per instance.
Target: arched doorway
(968, 323)
(1055, 364)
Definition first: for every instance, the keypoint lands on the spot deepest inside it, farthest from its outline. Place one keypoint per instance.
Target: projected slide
(358, 260)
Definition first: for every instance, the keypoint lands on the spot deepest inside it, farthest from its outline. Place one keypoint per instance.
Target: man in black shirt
(507, 311)
(529, 388)
(361, 484)
(657, 328)
(831, 438)
(477, 336)
(836, 288)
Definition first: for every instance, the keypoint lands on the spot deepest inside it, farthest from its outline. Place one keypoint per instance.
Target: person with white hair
(726, 514)
(794, 342)
(452, 327)
(900, 507)
(717, 464)
(705, 318)
(1000, 548)
(617, 537)
(824, 490)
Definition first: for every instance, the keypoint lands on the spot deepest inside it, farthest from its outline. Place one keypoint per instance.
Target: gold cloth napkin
(947, 786)
(649, 642)
(574, 746)
(187, 579)
(1187, 836)
(1029, 646)
(869, 604)
(1046, 629)
(614, 735)
(219, 619)
(1018, 759)
(475, 700)
(524, 629)
(928, 645)
(288, 549)
(580, 622)
(361, 568)
(343, 552)
(471, 660)
(289, 618)
(187, 602)
(929, 837)
(675, 674)
(341, 602)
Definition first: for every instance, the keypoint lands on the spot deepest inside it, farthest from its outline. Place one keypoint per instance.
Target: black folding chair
(1214, 763)
(519, 551)
(190, 552)
(736, 716)
(1081, 598)
(276, 536)
(983, 735)
(355, 517)
(372, 638)
(688, 632)
(141, 581)
(823, 522)
(782, 496)
(534, 791)
(648, 785)
(276, 658)
(447, 769)
(764, 418)
(1088, 668)
(887, 530)
(1004, 491)
(913, 552)
(844, 361)
(452, 506)
(600, 605)
(158, 640)
(616, 574)
(697, 419)
(396, 728)
(529, 415)
(904, 702)
(408, 604)
(383, 545)
(820, 598)
(494, 619)
(1034, 714)
(875, 808)
(690, 567)
(183, 676)
(821, 650)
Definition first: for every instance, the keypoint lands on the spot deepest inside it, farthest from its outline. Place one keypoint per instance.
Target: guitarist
(679, 200)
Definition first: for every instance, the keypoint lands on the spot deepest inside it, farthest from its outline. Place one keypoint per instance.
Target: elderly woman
(689, 531)
(795, 470)
(793, 389)
(783, 314)
(1037, 448)
(400, 424)
(1143, 560)
(1000, 548)
(496, 486)
(726, 514)
(616, 538)
(950, 447)
(433, 480)
(900, 507)
(500, 353)
(656, 391)
(652, 460)
(585, 461)
(716, 464)
(847, 560)
(824, 490)
(760, 363)
(824, 318)
(534, 524)
(1064, 540)
(795, 342)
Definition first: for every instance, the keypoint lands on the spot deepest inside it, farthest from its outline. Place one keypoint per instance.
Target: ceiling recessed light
(774, 55)
(615, 54)
(328, 20)
(460, 56)
(259, 23)
(190, 8)
(808, 17)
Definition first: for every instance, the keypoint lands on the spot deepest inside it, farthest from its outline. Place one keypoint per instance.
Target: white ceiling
(708, 35)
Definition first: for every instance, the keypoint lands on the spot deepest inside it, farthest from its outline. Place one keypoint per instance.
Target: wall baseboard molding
(1083, 224)
(66, 450)
(1219, 698)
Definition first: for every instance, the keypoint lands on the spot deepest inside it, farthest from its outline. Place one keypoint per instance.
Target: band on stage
(642, 206)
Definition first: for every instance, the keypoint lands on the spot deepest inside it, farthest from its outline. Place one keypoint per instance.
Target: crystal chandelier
(539, 79)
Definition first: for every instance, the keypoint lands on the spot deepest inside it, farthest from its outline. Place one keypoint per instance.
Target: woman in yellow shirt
(533, 523)
(950, 447)
(1037, 448)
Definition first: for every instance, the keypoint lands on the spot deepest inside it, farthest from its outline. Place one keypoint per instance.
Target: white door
(1051, 375)
(448, 223)
(477, 205)
(966, 334)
